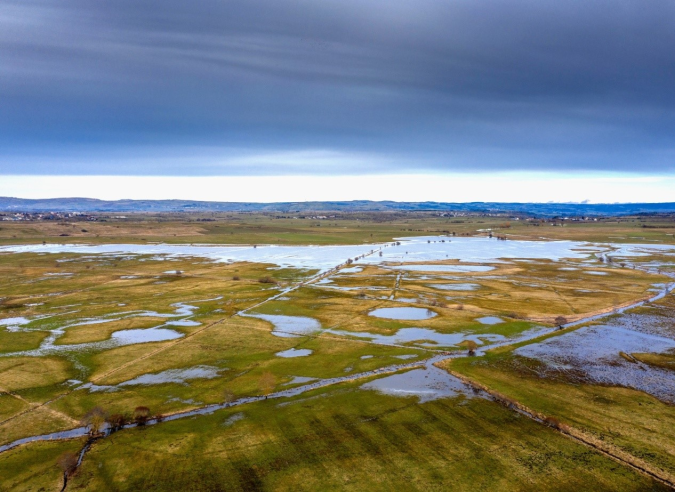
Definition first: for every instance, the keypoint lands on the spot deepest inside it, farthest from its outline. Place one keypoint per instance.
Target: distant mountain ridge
(84, 205)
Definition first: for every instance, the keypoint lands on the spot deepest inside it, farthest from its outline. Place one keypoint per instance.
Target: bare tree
(94, 419)
(560, 321)
(67, 462)
(116, 421)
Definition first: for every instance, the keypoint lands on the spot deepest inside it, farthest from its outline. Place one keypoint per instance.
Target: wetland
(334, 356)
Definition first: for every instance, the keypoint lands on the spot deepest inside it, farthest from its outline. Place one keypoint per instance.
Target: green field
(338, 228)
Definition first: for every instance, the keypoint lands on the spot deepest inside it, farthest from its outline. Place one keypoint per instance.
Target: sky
(291, 100)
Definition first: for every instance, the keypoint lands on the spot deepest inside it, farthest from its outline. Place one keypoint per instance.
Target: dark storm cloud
(323, 86)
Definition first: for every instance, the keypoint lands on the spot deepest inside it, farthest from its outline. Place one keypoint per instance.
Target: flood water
(592, 354)
(178, 376)
(412, 249)
(427, 384)
(424, 337)
(458, 286)
(445, 268)
(403, 313)
(292, 352)
(160, 333)
(289, 326)
(592, 351)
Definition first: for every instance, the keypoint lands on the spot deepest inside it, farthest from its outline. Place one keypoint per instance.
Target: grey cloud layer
(240, 87)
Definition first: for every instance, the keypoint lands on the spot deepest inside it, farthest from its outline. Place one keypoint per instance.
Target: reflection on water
(292, 352)
(592, 354)
(424, 337)
(415, 249)
(445, 268)
(130, 337)
(289, 326)
(459, 286)
(403, 313)
(428, 384)
(118, 338)
(299, 380)
(178, 376)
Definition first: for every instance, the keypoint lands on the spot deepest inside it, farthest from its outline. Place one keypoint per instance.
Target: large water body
(323, 258)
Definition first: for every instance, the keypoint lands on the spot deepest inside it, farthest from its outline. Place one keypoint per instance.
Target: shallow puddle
(403, 313)
(294, 353)
(428, 384)
(178, 376)
(445, 268)
(490, 320)
(117, 339)
(425, 337)
(289, 326)
(183, 322)
(130, 337)
(14, 321)
(454, 286)
(299, 380)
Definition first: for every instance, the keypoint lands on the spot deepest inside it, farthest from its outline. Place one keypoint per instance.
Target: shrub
(471, 346)
(117, 421)
(67, 462)
(141, 415)
(552, 422)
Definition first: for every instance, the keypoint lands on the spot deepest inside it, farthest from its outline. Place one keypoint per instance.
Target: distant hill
(8, 204)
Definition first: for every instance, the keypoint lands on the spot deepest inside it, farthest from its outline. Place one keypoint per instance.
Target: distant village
(39, 216)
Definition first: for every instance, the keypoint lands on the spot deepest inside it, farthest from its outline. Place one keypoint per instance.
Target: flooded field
(427, 384)
(431, 248)
(423, 337)
(602, 354)
(403, 313)
(289, 326)
(189, 331)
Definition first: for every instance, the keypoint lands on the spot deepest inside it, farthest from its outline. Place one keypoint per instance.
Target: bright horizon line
(504, 187)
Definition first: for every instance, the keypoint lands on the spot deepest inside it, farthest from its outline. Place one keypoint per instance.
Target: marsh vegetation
(275, 366)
